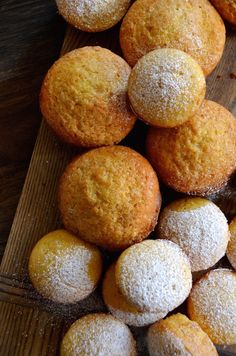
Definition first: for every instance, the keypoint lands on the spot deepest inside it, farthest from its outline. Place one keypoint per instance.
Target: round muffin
(154, 275)
(93, 16)
(63, 268)
(177, 335)
(98, 334)
(231, 250)
(199, 156)
(199, 227)
(193, 26)
(227, 9)
(110, 196)
(120, 308)
(84, 97)
(212, 304)
(166, 87)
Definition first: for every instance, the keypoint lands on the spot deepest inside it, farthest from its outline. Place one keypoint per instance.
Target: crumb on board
(233, 75)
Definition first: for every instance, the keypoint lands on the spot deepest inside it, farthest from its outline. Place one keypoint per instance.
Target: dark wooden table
(31, 34)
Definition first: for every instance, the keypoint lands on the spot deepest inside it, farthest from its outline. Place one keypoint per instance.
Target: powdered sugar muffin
(212, 304)
(199, 227)
(227, 9)
(64, 268)
(93, 16)
(231, 250)
(154, 275)
(166, 87)
(119, 306)
(84, 97)
(177, 335)
(110, 196)
(193, 26)
(98, 334)
(198, 156)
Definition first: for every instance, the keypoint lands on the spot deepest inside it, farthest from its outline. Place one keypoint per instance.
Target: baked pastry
(154, 275)
(212, 304)
(98, 334)
(110, 196)
(199, 156)
(119, 306)
(227, 9)
(84, 97)
(199, 227)
(166, 87)
(231, 250)
(93, 16)
(64, 268)
(177, 335)
(193, 26)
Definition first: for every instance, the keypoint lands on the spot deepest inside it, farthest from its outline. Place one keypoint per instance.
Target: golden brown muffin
(154, 275)
(110, 196)
(199, 227)
(119, 306)
(231, 250)
(84, 97)
(177, 335)
(212, 304)
(64, 268)
(227, 9)
(93, 16)
(192, 26)
(98, 334)
(199, 156)
(166, 87)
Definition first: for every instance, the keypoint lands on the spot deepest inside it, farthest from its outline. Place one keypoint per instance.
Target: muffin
(227, 9)
(110, 196)
(177, 335)
(212, 304)
(199, 156)
(231, 250)
(199, 227)
(154, 275)
(84, 97)
(166, 87)
(93, 16)
(63, 268)
(192, 26)
(119, 306)
(98, 334)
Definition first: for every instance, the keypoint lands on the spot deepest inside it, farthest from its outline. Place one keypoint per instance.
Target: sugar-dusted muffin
(93, 16)
(177, 335)
(166, 87)
(231, 250)
(154, 275)
(98, 334)
(121, 308)
(64, 268)
(110, 196)
(199, 227)
(227, 9)
(193, 26)
(198, 156)
(212, 304)
(84, 97)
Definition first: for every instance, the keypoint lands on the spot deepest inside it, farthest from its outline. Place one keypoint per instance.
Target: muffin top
(98, 334)
(193, 26)
(231, 250)
(227, 9)
(198, 156)
(154, 275)
(110, 196)
(166, 87)
(84, 97)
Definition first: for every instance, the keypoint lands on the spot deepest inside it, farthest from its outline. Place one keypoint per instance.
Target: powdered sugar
(165, 343)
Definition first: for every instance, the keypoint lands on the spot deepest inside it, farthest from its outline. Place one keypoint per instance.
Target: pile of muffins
(109, 196)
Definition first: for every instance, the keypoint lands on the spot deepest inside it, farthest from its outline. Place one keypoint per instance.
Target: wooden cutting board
(29, 325)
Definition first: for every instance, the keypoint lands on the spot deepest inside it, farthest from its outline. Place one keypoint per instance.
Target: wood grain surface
(30, 325)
